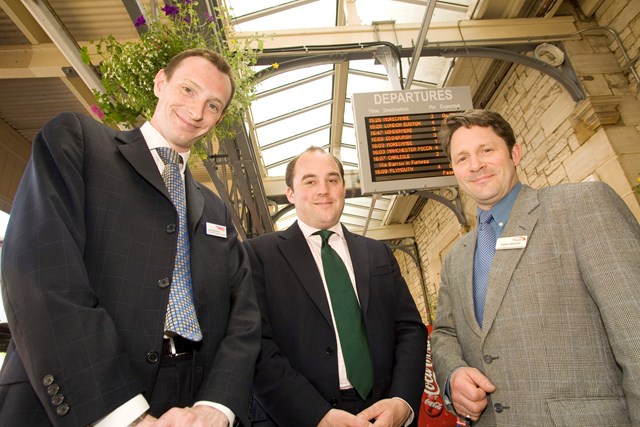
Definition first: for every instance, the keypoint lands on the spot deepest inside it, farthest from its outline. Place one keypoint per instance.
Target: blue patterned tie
(485, 249)
(352, 332)
(181, 313)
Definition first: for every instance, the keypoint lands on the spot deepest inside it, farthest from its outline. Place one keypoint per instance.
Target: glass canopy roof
(293, 110)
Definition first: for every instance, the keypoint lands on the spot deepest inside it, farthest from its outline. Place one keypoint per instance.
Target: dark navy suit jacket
(296, 378)
(87, 262)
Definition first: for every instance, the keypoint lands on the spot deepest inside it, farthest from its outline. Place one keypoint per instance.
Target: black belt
(177, 348)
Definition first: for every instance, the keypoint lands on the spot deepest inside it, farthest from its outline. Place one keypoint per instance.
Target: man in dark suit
(88, 267)
(301, 377)
(553, 338)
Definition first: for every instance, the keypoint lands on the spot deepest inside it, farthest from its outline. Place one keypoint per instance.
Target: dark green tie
(348, 316)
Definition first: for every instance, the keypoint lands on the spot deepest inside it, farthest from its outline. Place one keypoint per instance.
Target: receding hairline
(291, 166)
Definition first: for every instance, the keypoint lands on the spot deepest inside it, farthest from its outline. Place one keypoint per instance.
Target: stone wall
(412, 275)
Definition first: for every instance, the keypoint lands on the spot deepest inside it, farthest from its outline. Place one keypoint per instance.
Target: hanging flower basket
(128, 69)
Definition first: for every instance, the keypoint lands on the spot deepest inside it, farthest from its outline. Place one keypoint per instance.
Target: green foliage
(636, 187)
(129, 68)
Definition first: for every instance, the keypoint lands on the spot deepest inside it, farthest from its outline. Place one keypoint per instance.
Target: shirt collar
(501, 210)
(308, 231)
(155, 140)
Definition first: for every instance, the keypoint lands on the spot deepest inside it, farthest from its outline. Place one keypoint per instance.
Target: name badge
(514, 242)
(216, 230)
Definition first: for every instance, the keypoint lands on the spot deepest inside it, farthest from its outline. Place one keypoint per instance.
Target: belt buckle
(173, 353)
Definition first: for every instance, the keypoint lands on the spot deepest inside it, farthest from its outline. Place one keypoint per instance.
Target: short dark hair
(214, 58)
(482, 118)
(288, 177)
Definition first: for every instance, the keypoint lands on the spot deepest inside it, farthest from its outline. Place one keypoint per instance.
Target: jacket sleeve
(62, 335)
(231, 372)
(607, 245)
(445, 350)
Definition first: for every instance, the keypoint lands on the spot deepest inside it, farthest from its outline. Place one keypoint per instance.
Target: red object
(432, 410)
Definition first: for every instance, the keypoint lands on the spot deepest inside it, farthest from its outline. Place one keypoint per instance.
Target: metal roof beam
(54, 28)
(22, 19)
(463, 33)
(510, 52)
(292, 114)
(135, 9)
(37, 61)
(270, 11)
(338, 96)
(422, 38)
(445, 5)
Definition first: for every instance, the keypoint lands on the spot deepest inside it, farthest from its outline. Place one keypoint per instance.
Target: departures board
(397, 136)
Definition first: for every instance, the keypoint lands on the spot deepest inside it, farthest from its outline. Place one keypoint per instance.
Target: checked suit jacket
(87, 262)
(561, 334)
(296, 380)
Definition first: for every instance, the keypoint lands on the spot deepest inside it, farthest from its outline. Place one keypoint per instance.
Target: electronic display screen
(397, 135)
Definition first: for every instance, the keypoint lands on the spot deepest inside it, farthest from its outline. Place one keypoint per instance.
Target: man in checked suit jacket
(297, 380)
(560, 337)
(87, 265)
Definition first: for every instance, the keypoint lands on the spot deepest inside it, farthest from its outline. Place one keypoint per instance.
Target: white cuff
(226, 411)
(125, 414)
(411, 416)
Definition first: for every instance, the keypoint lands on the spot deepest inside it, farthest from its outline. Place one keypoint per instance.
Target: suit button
(53, 389)
(62, 409)
(164, 282)
(498, 407)
(488, 359)
(333, 402)
(329, 350)
(171, 228)
(152, 357)
(57, 399)
(47, 380)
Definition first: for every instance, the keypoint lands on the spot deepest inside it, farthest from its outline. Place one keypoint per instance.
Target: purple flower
(187, 20)
(97, 111)
(139, 21)
(208, 17)
(170, 10)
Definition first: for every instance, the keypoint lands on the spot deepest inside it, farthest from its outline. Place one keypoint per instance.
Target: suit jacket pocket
(380, 270)
(593, 411)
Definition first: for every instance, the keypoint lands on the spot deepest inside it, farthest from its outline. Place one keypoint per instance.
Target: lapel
(522, 221)
(360, 260)
(136, 151)
(465, 277)
(195, 201)
(297, 254)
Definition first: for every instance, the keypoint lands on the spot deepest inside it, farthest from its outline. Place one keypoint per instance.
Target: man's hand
(198, 416)
(147, 421)
(468, 388)
(339, 418)
(387, 413)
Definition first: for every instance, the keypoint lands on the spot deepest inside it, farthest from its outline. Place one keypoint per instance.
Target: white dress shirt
(339, 244)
